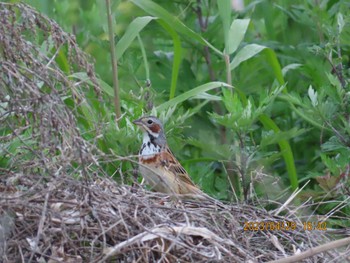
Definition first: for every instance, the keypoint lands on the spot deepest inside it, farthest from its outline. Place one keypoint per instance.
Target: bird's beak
(137, 122)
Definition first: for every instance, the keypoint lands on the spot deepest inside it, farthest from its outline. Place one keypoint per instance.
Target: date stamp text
(284, 226)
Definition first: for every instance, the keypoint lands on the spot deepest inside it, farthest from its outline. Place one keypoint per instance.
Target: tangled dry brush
(56, 202)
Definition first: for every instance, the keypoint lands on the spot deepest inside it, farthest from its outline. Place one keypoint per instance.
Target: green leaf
(275, 65)
(207, 96)
(333, 80)
(104, 86)
(232, 102)
(273, 137)
(176, 58)
(313, 96)
(62, 61)
(301, 109)
(47, 45)
(144, 56)
(237, 31)
(224, 7)
(246, 53)
(290, 67)
(333, 144)
(131, 33)
(286, 151)
(271, 96)
(157, 11)
(340, 22)
(192, 93)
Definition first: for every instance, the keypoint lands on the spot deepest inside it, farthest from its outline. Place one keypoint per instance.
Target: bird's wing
(171, 164)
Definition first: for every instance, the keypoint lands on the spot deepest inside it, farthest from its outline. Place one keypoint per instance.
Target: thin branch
(203, 26)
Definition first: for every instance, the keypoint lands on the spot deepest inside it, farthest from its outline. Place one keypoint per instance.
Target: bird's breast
(150, 159)
(149, 150)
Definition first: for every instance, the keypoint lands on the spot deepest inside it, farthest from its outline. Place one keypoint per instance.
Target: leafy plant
(250, 97)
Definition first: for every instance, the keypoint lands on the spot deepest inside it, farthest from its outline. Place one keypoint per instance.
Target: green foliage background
(256, 102)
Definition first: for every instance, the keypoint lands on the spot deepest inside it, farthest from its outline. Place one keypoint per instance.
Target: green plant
(265, 90)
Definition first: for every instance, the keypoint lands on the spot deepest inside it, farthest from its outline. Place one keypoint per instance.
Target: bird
(158, 165)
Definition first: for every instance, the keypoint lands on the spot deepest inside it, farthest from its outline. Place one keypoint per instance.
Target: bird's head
(151, 126)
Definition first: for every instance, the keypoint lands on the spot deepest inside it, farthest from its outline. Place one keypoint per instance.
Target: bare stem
(314, 251)
(114, 61)
(228, 71)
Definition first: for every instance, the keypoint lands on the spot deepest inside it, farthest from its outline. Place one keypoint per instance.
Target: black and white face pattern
(149, 148)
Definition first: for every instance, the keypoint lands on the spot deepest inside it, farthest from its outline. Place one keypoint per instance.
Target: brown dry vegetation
(58, 205)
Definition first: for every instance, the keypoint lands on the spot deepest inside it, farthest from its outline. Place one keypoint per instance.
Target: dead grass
(66, 220)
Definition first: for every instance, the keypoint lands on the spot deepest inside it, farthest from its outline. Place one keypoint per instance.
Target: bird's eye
(149, 121)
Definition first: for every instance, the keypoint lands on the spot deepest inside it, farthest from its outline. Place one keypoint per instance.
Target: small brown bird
(158, 165)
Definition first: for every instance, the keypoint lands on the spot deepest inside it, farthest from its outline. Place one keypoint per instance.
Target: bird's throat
(149, 147)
